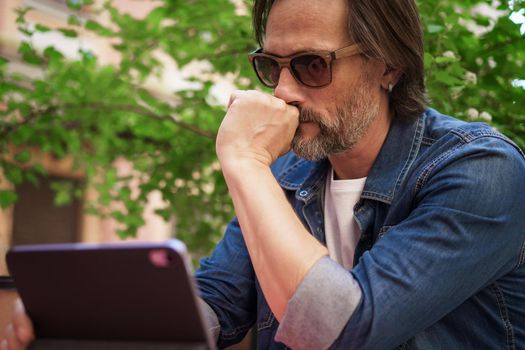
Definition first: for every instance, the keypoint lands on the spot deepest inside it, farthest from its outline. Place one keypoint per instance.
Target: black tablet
(141, 292)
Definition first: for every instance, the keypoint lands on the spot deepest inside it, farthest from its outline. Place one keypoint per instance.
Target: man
(388, 225)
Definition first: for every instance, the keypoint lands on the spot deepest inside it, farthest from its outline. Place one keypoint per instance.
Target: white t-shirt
(341, 230)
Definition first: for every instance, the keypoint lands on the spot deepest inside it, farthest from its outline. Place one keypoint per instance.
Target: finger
(235, 95)
(252, 95)
(294, 110)
(11, 341)
(293, 113)
(23, 326)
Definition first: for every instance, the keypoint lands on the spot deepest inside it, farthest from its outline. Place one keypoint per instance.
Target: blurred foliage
(473, 61)
(99, 113)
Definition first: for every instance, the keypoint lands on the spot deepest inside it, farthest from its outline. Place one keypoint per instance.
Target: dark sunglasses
(312, 69)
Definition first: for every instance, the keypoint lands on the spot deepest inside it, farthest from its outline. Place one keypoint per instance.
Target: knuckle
(280, 105)
(237, 93)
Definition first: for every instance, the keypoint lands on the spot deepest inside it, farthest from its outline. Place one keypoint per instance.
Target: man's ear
(390, 78)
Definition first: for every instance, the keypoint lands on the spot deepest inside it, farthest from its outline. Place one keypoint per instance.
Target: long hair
(387, 30)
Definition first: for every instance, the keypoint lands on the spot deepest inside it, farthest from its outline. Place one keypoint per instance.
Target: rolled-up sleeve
(324, 301)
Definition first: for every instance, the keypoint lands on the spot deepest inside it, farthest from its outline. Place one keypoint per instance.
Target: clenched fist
(257, 126)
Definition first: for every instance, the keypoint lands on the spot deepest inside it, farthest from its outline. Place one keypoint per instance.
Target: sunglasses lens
(268, 70)
(311, 70)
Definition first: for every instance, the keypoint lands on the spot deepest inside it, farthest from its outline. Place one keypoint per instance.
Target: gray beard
(352, 120)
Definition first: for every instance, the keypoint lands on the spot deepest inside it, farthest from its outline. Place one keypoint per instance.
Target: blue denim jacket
(440, 263)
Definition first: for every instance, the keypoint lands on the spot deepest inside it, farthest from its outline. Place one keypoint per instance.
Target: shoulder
(441, 127)
(478, 162)
(450, 135)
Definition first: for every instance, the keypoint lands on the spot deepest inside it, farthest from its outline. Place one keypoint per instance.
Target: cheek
(324, 99)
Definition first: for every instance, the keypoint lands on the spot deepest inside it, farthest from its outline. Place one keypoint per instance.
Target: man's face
(335, 117)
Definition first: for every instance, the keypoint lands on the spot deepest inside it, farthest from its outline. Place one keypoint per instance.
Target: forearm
(281, 249)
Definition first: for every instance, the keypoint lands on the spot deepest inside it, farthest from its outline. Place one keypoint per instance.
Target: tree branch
(141, 111)
(6, 128)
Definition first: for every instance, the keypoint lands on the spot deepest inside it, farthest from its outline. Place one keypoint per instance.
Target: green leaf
(70, 33)
(29, 54)
(156, 16)
(42, 28)
(434, 28)
(429, 59)
(447, 78)
(21, 13)
(98, 28)
(445, 59)
(74, 4)
(3, 63)
(62, 198)
(23, 157)
(73, 20)
(53, 54)
(39, 169)
(7, 198)
(32, 178)
(118, 215)
(13, 173)
(87, 56)
(63, 192)
(26, 31)
(165, 214)
(482, 21)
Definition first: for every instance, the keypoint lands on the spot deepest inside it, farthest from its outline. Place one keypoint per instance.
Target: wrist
(242, 165)
(240, 160)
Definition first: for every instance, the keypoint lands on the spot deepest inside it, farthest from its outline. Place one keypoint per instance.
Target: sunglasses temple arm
(347, 51)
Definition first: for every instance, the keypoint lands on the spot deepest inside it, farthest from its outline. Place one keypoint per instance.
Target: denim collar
(388, 172)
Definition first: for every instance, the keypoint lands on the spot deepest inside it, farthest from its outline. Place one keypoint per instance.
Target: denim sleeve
(464, 230)
(211, 319)
(226, 282)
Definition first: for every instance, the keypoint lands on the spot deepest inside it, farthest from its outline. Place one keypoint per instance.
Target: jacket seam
(284, 174)
(427, 141)
(469, 137)
(376, 196)
(412, 155)
(521, 258)
(425, 174)
(503, 311)
(266, 323)
(383, 230)
(465, 138)
(235, 332)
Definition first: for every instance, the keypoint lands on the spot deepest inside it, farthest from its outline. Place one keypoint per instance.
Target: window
(36, 219)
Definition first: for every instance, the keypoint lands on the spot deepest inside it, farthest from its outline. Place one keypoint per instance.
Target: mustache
(326, 127)
(309, 116)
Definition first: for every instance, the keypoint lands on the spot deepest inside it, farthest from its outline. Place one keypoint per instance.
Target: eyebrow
(303, 50)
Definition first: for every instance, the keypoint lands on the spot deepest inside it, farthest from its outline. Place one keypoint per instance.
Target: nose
(288, 89)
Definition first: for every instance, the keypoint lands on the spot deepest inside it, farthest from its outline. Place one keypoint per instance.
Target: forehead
(299, 25)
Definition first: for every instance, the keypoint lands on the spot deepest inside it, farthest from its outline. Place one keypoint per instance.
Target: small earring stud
(390, 87)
